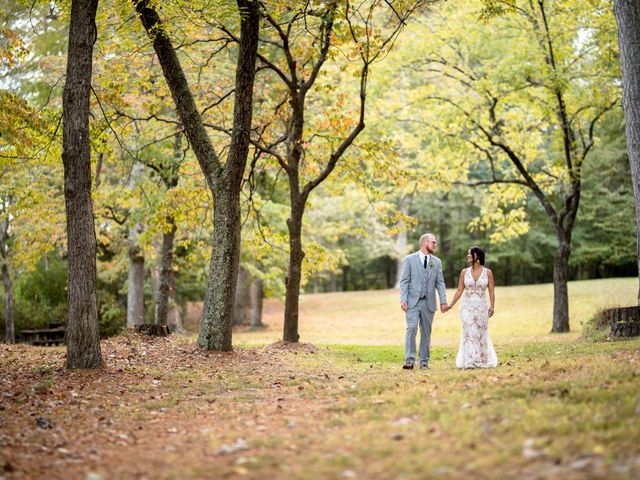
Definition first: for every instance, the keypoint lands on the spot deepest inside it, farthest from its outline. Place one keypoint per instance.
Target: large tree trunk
(242, 303)
(294, 279)
(82, 330)
(216, 326)
(10, 336)
(224, 181)
(627, 14)
(560, 290)
(164, 282)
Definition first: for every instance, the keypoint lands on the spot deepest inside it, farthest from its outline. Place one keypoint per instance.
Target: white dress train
(476, 349)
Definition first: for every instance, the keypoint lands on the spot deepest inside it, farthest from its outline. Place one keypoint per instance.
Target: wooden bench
(54, 335)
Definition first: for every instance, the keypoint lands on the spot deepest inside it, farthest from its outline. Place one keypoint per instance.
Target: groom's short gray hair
(425, 237)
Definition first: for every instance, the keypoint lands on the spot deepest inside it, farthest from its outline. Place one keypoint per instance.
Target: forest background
(416, 167)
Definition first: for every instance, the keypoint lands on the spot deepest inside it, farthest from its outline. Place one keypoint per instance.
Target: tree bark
(560, 290)
(135, 290)
(242, 303)
(10, 336)
(174, 315)
(294, 278)
(627, 13)
(164, 282)
(256, 295)
(224, 181)
(401, 251)
(170, 178)
(215, 328)
(82, 330)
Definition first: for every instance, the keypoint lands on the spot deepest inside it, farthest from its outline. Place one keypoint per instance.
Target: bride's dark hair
(477, 254)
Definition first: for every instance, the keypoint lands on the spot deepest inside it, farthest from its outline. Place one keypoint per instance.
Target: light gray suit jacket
(411, 281)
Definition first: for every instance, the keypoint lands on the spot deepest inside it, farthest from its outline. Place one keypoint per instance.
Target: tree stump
(153, 330)
(624, 321)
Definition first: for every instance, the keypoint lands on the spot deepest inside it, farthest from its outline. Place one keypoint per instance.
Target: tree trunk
(170, 178)
(164, 282)
(82, 330)
(224, 181)
(560, 290)
(256, 294)
(401, 252)
(215, 327)
(402, 245)
(294, 279)
(333, 281)
(242, 302)
(174, 315)
(10, 336)
(135, 285)
(627, 14)
(624, 321)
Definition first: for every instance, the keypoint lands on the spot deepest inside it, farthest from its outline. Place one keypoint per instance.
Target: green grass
(566, 401)
(523, 314)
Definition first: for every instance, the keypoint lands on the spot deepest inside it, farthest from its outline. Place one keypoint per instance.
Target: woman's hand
(490, 311)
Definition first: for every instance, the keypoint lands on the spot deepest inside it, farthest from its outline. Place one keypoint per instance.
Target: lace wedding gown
(476, 349)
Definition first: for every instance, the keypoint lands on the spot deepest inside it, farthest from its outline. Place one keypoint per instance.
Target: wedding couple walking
(421, 277)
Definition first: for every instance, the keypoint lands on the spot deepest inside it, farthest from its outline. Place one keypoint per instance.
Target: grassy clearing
(556, 409)
(523, 314)
(557, 406)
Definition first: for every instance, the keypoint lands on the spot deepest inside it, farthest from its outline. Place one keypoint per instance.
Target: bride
(476, 349)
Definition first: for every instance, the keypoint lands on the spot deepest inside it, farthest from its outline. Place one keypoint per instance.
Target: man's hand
(404, 306)
(444, 308)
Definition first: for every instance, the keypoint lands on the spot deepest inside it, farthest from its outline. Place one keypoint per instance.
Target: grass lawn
(523, 314)
(557, 406)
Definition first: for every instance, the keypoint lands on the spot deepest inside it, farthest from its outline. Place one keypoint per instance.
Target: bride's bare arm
(459, 290)
(492, 296)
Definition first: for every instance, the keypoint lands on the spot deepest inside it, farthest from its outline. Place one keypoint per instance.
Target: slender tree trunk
(402, 245)
(627, 14)
(170, 178)
(242, 303)
(98, 168)
(401, 251)
(135, 291)
(164, 282)
(560, 290)
(10, 336)
(174, 314)
(135, 286)
(82, 330)
(294, 278)
(333, 282)
(256, 294)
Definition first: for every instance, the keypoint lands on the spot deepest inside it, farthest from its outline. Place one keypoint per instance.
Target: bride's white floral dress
(476, 349)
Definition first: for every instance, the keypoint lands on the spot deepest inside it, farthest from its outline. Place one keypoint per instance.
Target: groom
(421, 275)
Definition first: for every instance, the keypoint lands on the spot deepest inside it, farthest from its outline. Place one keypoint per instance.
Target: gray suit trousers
(418, 316)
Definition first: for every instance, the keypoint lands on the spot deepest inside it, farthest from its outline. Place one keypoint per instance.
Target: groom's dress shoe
(424, 365)
(408, 365)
